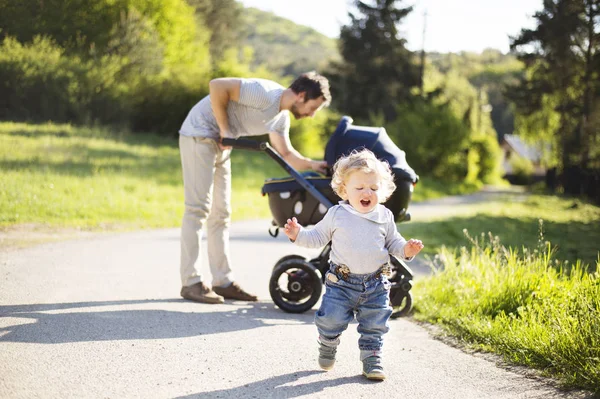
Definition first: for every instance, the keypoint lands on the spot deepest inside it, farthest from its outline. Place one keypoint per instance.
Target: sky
(451, 25)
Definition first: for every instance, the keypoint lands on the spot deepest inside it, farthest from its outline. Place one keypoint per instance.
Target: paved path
(101, 317)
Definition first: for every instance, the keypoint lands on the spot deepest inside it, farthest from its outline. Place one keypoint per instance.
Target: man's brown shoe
(200, 293)
(234, 291)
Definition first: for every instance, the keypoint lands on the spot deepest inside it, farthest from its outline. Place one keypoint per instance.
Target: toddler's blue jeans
(347, 295)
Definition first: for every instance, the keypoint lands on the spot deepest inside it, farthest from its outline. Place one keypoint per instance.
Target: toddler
(363, 234)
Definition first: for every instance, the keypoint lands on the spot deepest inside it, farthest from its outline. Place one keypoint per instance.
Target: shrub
(41, 83)
(522, 170)
(433, 138)
(488, 160)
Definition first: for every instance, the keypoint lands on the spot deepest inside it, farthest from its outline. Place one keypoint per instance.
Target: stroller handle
(245, 144)
(264, 146)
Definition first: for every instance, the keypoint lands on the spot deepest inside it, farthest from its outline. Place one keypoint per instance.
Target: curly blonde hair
(365, 161)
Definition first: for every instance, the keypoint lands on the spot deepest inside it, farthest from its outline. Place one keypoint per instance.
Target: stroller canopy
(348, 137)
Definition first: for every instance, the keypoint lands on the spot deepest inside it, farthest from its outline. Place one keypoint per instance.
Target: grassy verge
(62, 176)
(522, 305)
(570, 224)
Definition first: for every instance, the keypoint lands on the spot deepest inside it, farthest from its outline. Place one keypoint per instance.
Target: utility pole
(422, 71)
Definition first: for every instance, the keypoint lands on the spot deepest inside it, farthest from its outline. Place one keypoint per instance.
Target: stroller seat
(287, 198)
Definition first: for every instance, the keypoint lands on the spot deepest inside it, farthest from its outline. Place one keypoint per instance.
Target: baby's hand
(412, 248)
(291, 229)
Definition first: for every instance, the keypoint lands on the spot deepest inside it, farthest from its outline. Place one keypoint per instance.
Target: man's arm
(222, 91)
(284, 147)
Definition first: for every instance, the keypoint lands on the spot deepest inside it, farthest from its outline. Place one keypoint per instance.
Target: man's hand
(220, 143)
(319, 166)
(412, 248)
(292, 228)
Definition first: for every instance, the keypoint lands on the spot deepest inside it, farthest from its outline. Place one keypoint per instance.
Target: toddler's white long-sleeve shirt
(361, 241)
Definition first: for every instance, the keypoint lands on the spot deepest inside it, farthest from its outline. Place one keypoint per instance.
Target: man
(234, 107)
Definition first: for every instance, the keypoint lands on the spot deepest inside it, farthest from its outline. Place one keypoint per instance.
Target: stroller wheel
(288, 257)
(295, 286)
(401, 303)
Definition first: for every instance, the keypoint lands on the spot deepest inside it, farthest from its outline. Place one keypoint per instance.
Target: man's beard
(295, 112)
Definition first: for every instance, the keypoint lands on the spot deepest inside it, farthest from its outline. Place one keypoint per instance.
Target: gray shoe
(372, 368)
(200, 293)
(326, 356)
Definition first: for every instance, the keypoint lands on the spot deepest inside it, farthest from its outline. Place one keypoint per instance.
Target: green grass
(58, 175)
(522, 305)
(570, 224)
(64, 176)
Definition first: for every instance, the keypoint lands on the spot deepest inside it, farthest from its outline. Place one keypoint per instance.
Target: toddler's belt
(343, 271)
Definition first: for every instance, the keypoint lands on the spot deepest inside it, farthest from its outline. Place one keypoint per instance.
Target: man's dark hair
(314, 85)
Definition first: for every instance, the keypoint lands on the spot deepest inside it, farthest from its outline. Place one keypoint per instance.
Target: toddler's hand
(412, 248)
(291, 229)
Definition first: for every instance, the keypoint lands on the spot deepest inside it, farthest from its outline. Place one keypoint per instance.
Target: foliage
(283, 47)
(522, 169)
(524, 306)
(488, 159)
(85, 27)
(377, 71)
(309, 136)
(224, 20)
(562, 57)
(39, 83)
(489, 73)
(434, 139)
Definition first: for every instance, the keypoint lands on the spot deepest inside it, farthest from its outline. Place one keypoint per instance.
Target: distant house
(513, 146)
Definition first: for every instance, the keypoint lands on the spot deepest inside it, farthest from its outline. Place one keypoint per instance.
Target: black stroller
(296, 283)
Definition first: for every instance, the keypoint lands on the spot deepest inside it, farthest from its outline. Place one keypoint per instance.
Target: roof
(525, 150)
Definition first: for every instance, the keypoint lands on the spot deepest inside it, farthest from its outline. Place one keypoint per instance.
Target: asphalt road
(101, 317)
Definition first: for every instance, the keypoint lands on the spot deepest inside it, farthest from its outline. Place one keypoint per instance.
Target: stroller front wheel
(401, 304)
(295, 286)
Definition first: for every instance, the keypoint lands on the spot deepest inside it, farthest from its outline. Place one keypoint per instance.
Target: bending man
(235, 107)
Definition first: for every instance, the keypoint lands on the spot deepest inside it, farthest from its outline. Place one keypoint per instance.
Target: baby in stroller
(363, 234)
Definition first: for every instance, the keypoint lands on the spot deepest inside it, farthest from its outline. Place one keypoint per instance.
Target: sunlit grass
(59, 175)
(571, 225)
(519, 303)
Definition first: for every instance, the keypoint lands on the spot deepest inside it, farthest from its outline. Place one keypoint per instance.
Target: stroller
(296, 283)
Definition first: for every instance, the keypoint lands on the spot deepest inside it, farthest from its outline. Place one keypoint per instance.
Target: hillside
(285, 47)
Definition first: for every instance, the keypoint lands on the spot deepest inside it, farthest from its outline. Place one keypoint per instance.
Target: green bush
(522, 170)
(310, 135)
(40, 83)
(433, 138)
(488, 160)
(160, 105)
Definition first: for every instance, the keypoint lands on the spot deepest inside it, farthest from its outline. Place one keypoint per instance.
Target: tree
(223, 18)
(562, 58)
(377, 71)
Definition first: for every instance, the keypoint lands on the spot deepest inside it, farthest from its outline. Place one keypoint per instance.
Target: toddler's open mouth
(365, 202)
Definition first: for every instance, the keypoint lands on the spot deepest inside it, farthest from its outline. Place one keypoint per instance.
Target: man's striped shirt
(256, 113)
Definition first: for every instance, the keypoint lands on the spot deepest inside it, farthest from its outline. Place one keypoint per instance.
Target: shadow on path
(84, 326)
(274, 387)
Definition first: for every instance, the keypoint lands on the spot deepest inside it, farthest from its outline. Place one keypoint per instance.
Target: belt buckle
(343, 270)
(386, 270)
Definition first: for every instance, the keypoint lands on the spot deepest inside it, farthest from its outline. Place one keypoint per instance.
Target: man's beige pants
(207, 189)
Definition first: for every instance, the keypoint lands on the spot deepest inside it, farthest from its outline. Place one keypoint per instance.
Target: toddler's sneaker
(372, 368)
(326, 356)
